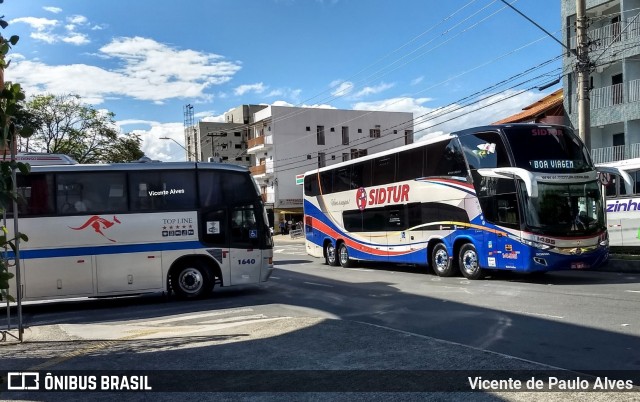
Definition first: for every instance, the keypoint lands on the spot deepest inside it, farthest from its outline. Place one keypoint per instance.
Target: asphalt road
(369, 320)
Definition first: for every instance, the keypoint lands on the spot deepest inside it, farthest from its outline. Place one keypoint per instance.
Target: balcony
(610, 96)
(259, 143)
(616, 153)
(263, 171)
(603, 37)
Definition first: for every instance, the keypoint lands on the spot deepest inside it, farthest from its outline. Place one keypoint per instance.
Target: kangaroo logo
(98, 224)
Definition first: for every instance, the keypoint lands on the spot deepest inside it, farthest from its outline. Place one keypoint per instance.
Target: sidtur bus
(119, 229)
(510, 197)
(623, 205)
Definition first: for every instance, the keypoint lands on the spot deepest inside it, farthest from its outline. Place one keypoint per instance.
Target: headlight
(537, 245)
(603, 240)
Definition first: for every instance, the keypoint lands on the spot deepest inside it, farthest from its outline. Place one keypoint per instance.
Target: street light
(181, 146)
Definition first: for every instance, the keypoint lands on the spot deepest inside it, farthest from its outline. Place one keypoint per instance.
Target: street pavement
(617, 262)
(301, 356)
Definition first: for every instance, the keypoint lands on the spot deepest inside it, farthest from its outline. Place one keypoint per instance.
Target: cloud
(417, 80)
(341, 88)
(44, 30)
(39, 24)
(54, 10)
(78, 20)
(371, 90)
(257, 88)
(76, 39)
(146, 70)
(429, 121)
(152, 145)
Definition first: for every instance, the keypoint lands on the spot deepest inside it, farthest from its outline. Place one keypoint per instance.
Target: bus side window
(162, 190)
(36, 195)
(215, 227)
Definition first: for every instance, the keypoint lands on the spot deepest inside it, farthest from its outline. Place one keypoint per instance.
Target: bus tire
(441, 262)
(191, 280)
(331, 255)
(343, 256)
(468, 262)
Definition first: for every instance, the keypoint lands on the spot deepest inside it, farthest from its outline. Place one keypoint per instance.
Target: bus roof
(105, 167)
(439, 138)
(42, 159)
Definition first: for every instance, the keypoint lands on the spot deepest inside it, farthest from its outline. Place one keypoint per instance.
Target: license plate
(579, 265)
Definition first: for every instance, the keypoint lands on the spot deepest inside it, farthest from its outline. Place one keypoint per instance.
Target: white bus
(623, 204)
(522, 197)
(120, 229)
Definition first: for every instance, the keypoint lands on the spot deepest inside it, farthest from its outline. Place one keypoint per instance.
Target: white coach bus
(623, 204)
(120, 229)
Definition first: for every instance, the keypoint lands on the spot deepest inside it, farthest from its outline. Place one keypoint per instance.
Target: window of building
(375, 132)
(356, 153)
(345, 135)
(320, 135)
(408, 137)
(345, 156)
(322, 159)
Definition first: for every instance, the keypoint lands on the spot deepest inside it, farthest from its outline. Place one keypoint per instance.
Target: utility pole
(583, 67)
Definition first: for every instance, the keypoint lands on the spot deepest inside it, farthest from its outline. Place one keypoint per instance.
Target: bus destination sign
(551, 164)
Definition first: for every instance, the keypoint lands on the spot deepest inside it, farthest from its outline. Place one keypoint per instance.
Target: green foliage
(63, 124)
(13, 123)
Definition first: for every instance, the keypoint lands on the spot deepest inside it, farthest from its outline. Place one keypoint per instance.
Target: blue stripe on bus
(103, 250)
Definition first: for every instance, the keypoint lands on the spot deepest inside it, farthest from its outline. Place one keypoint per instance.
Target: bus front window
(564, 209)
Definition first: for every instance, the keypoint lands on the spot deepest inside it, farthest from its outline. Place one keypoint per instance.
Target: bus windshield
(564, 209)
(547, 149)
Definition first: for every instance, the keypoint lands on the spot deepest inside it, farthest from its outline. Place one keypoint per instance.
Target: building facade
(614, 35)
(223, 142)
(285, 142)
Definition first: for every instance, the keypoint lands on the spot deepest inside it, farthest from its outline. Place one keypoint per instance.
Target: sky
(454, 64)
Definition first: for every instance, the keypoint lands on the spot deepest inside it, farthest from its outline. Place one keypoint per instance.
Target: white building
(288, 141)
(614, 35)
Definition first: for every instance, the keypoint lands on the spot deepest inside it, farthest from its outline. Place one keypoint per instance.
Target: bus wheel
(343, 254)
(330, 255)
(468, 262)
(442, 264)
(191, 280)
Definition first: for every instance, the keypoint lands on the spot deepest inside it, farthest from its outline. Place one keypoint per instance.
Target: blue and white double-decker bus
(522, 197)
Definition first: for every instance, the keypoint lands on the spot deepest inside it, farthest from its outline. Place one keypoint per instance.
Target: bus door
(502, 248)
(245, 250)
(215, 235)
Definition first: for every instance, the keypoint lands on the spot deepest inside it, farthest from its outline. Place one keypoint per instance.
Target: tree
(65, 125)
(125, 149)
(11, 100)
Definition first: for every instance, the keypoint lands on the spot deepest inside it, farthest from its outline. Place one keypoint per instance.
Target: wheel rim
(441, 259)
(344, 255)
(331, 253)
(190, 280)
(470, 261)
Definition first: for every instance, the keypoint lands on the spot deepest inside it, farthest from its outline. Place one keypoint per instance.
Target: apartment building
(614, 34)
(224, 142)
(288, 141)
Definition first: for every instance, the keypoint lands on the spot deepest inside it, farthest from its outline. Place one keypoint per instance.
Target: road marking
(633, 291)
(318, 284)
(234, 319)
(195, 316)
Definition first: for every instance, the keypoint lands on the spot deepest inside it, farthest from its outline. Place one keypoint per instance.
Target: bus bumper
(562, 262)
